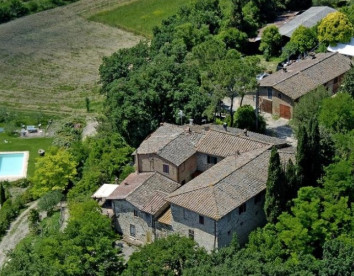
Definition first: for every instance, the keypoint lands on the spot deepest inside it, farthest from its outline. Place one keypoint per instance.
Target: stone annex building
(278, 92)
(205, 182)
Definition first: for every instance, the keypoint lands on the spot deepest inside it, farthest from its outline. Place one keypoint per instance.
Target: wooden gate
(266, 106)
(285, 111)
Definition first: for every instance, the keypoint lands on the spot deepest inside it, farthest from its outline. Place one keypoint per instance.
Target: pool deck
(24, 167)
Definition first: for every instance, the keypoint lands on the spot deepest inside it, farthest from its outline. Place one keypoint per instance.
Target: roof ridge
(242, 136)
(300, 71)
(169, 143)
(229, 173)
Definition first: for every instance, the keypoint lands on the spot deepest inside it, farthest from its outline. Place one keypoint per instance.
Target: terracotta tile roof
(160, 138)
(220, 143)
(226, 185)
(181, 148)
(306, 75)
(252, 135)
(128, 185)
(156, 202)
(166, 217)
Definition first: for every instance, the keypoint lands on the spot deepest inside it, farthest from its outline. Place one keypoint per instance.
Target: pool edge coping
(24, 168)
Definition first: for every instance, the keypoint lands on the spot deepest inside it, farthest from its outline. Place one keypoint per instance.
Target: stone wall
(215, 234)
(277, 99)
(152, 162)
(124, 212)
(202, 161)
(184, 221)
(241, 224)
(186, 169)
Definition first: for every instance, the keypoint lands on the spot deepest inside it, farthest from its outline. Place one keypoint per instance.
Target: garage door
(266, 106)
(285, 111)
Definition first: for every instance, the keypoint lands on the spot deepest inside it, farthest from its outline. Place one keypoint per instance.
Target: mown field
(140, 16)
(49, 61)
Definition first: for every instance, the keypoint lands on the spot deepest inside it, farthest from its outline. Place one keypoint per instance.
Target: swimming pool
(13, 165)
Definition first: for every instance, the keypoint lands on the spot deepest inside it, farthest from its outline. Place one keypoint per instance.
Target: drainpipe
(215, 234)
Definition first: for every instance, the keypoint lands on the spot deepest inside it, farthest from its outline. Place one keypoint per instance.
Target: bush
(245, 117)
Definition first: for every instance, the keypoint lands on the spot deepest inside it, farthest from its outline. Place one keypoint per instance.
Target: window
(136, 213)
(132, 230)
(270, 93)
(166, 168)
(191, 234)
(335, 80)
(229, 232)
(279, 95)
(242, 209)
(201, 219)
(257, 198)
(211, 159)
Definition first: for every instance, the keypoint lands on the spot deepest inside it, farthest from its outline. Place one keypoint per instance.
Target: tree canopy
(53, 171)
(335, 28)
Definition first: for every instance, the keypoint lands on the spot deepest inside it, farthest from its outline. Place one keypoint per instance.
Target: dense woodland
(195, 59)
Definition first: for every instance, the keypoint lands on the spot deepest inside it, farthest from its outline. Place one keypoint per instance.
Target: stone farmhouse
(206, 182)
(278, 92)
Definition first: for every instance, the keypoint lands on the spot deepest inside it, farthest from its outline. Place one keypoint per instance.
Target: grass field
(140, 16)
(49, 60)
(29, 144)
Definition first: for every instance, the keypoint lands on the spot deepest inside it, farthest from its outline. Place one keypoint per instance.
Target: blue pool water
(11, 164)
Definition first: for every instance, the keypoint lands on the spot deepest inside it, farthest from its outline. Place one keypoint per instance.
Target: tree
(50, 200)
(337, 113)
(303, 157)
(338, 257)
(108, 158)
(54, 171)
(245, 118)
(2, 194)
(274, 204)
(167, 256)
(271, 41)
(307, 107)
(304, 39)
(335, 28)
(33, 219)
(234, 77)
(292, 183)
(348, 82)
(236, 17)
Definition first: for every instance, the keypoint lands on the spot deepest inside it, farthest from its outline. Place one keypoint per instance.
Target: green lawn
(140, 16)
(29, 144)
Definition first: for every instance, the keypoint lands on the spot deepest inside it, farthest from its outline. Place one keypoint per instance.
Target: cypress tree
(314, 150)
(274, 201)
(291, 183)
(2, 194)
(303, 162)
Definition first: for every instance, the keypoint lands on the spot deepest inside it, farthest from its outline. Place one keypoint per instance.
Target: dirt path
(49, 61)
(18, 230)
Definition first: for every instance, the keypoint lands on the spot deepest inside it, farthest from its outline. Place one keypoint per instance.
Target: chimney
(190, 122)
(161, 124)
(225, 126)
(207, 128)
(284, 69)
(245, 132)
